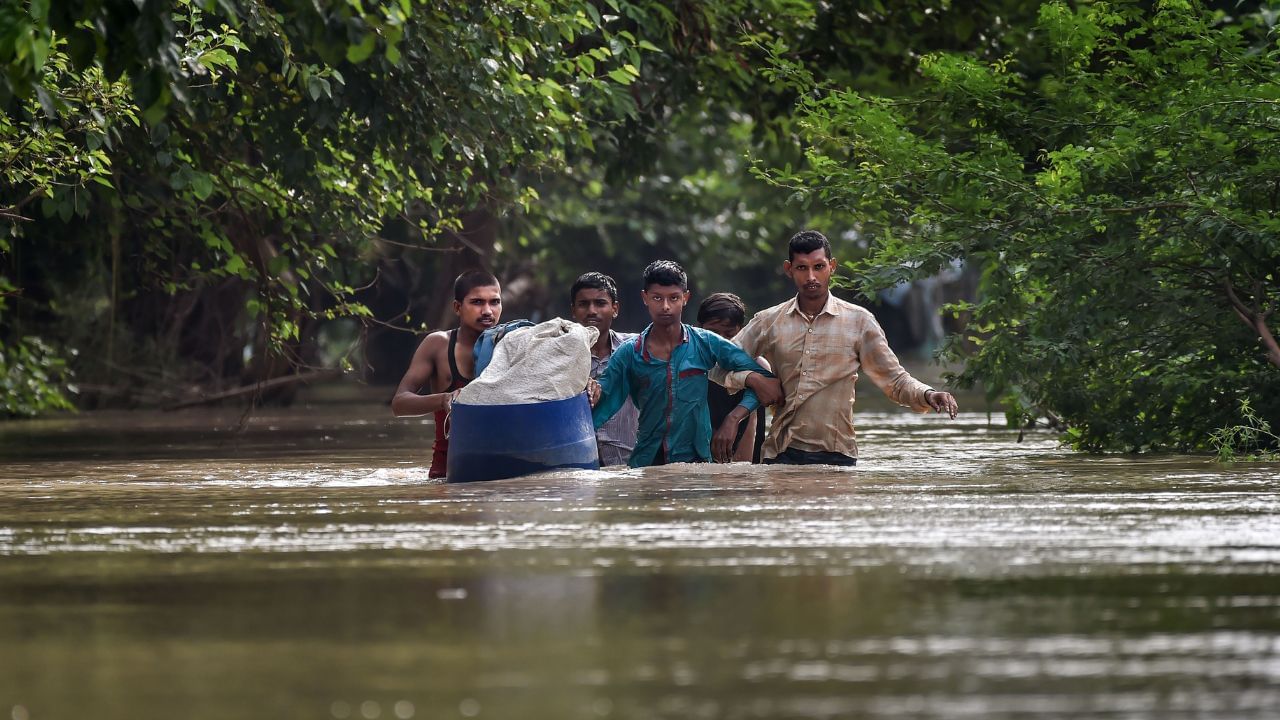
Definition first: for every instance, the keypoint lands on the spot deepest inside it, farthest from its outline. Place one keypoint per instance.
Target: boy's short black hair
(665, 272)
(593, 281)
(806, 241)
(470, 280)
(723, 306)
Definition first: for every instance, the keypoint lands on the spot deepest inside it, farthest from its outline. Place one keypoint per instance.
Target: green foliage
(202, 151)
(52, 163)
(211, 181)
(1250, 441)
(1117, 183)
(32, 378)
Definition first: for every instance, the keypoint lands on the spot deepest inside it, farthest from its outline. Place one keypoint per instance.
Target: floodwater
(301, 565)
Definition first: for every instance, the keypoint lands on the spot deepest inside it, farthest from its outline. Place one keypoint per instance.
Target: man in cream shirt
(817, 344)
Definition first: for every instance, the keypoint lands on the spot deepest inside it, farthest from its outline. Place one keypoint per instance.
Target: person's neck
(467, 335)
(604, 344)
(668, 335)
(812, 307)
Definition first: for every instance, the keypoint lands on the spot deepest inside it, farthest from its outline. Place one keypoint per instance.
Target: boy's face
(811, 272)
(665, 304)
(722, 327)
(481, 308)
(594, 308)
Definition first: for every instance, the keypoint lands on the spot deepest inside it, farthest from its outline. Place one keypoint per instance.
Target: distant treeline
(201, 195)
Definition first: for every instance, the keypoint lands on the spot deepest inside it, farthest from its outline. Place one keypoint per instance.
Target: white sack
(549, 361)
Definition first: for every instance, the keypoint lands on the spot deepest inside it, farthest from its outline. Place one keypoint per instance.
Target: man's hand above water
(942, 402)
(727, 434)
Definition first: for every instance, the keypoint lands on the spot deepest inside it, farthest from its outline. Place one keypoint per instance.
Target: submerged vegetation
(1251, 440)
(202, 195)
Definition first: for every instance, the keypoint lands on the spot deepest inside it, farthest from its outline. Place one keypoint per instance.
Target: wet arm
(615, 387)
(747, 445)
(409, 401)
(736, 359)
(878, 361)
(729, 356)
(749, 340)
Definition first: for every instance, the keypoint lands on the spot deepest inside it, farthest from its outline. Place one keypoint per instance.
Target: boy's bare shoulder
(435, 340)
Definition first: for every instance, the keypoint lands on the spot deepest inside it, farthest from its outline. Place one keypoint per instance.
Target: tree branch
(1256, 320)
(257, 388)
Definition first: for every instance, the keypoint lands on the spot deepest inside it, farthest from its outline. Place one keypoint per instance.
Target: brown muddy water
(303, 566)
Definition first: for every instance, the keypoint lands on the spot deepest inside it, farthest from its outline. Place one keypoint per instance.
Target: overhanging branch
(1255, 319)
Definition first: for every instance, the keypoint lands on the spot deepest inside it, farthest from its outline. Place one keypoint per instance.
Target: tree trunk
(1268, 339)
(1255, 318)
(478, 235)
(417, 289)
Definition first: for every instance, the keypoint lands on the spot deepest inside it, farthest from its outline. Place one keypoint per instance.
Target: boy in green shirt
(664, 372)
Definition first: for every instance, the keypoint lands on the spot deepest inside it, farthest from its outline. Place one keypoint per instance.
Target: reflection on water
(303, 566)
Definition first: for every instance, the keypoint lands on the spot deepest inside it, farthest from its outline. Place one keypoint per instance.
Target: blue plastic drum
(491, 442)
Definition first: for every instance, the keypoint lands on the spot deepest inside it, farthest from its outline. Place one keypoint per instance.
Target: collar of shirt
(642, 345)
(615, 339)
(830, 307)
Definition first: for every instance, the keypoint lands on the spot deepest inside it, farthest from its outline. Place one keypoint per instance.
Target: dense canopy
(202, 195)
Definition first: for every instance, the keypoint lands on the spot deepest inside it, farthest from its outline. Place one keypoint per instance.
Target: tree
(254, 151)
(1115, 179)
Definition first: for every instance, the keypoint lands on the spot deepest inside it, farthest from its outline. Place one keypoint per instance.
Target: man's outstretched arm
(878, 360)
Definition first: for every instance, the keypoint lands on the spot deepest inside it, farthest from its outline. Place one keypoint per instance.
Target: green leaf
(621, 76)
(39, 53)
(202, 185)
(235, 265)
(278, 265)
(361, 51)
(317, 86)
(156, 112)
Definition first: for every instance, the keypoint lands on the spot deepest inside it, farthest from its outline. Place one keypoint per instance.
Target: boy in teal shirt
(664, 372)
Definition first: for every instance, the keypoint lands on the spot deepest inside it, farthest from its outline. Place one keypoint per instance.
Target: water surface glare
(302, 565)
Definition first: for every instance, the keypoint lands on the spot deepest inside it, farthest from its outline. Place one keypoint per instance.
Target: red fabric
(440, 453)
